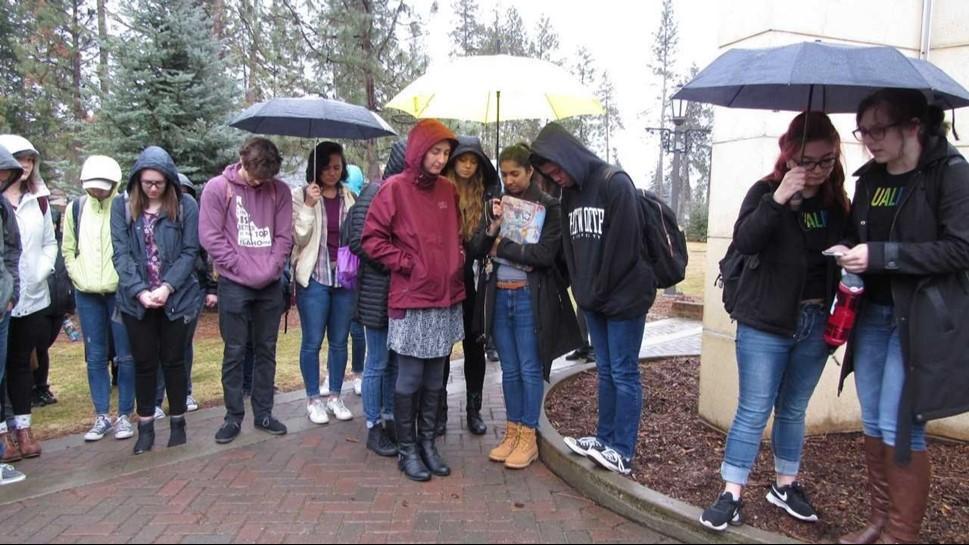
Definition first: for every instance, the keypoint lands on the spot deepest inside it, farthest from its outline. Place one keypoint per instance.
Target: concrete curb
(630, 499)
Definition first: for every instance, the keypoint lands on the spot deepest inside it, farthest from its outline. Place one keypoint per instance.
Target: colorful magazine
(522, 223)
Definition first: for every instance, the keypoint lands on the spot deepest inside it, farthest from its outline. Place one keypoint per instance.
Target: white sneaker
(358, 386)
(316, 412)
(340, 411)
(191, 405)
(159, 413)
(123, 428)
(102, 425)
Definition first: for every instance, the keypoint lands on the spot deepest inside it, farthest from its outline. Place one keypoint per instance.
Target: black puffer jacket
(775, 270)
(373, 279)
(927, 256)
(555, 324)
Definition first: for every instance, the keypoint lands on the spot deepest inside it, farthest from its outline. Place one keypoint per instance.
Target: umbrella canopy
(491, 88)
(817, 76)
(312, 117)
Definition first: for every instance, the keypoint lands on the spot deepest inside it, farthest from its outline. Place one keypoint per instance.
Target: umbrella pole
(497, 123)
(797, 199)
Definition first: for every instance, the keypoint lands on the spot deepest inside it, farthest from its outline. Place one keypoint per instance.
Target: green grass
(695, 281)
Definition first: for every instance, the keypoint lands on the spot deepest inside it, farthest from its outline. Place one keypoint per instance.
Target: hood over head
(187, 186)
(7, 162)
(155, 158)
(18, 146)
(101, 172)
(424, 136)
(395, 161)
(557, 145)
(472, 144)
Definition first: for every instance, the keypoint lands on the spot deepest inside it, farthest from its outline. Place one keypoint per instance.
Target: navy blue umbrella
(817, 76)
(312, 117)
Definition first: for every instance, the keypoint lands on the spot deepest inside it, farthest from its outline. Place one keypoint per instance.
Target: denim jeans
(249, 315)
(777, 374)
(521, 365)
(379, 378)
(880, 375)
(358, 345)
(617, 344)
(4, 330)
(323, 310)
(96, 313)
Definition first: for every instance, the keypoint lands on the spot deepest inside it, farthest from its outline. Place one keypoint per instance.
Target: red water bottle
(845, 309)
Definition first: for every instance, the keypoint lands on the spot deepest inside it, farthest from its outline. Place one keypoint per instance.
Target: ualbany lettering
(815, 220)
(887, 197)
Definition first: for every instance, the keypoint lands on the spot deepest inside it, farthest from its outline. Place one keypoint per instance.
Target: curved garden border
(629, 498)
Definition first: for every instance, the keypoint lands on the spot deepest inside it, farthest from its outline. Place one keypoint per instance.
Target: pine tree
(169, 88)
(665, 42)
(546, 43)
(467, 32)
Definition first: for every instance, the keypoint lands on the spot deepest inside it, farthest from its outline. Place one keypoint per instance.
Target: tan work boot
(11, 450)
(28, 446)
(507, 445)
(526, 451)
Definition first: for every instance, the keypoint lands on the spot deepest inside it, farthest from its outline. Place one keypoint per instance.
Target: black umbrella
(312, 117)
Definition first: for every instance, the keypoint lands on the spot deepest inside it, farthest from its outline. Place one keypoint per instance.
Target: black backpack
(663, 239)
(731, 270)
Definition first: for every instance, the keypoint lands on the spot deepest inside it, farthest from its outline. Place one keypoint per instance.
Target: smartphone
(830, 253)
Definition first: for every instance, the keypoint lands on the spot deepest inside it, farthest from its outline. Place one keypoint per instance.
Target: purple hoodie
(247, 231)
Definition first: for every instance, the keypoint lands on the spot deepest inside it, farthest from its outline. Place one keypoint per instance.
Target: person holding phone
(783, 295)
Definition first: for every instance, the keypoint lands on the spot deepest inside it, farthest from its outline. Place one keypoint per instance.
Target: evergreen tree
(546, 43)
(171, 88)
(665, 42)
(467, 31)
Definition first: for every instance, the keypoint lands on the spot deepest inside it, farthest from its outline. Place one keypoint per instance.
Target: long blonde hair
(470, 199)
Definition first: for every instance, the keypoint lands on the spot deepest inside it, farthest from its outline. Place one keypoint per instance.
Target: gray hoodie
(10, 241)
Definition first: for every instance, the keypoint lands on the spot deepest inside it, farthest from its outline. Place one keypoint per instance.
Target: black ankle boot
(146, 436)
(377, 441)
(390, 431)
(475, 423)
(178, 436)
(405, 411)
(430, 402)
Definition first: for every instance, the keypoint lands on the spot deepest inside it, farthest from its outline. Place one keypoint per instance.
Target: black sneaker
(591, 356)
(228, 432)
(725, 511)
(579, 354)
(612, 460)
(271, 426)
(492, 355)
(47, 396)
(36, 400)
(794, 500)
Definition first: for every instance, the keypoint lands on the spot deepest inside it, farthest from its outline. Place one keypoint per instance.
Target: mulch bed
(679, 455)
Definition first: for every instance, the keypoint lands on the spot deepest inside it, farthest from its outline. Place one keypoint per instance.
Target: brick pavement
(317, 484)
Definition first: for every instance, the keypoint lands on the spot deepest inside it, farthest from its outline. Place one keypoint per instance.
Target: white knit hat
(100, 172)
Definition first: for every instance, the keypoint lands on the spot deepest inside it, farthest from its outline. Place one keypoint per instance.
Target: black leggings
(155, 340)
(42, 373)
(474, 350)
(414, 373)
(27, 333)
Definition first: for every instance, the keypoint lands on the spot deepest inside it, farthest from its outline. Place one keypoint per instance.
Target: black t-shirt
(887, 194)
(814, 220)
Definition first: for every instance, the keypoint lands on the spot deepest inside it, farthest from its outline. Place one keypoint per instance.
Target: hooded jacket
(177, 241)
(10, 241)
(601, 230)
(36, 232)
(89, 256)
(929, 240)
(413, 228)
(203, 269)
(247, 231)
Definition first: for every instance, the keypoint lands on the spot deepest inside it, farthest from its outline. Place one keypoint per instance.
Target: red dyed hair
(819, 127)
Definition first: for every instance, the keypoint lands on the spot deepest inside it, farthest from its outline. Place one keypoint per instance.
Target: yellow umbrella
(491, 88)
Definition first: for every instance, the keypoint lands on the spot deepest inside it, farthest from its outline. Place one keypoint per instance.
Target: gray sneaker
(9, 475)
(102, 425)
(191, 405)
(123, 428)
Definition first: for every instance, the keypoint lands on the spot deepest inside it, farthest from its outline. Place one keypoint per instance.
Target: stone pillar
(745, 148)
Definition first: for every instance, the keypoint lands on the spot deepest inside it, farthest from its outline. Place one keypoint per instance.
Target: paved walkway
(316, 484)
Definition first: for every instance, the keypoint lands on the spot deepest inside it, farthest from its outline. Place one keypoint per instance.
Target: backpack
(664, 241)
(731, 270)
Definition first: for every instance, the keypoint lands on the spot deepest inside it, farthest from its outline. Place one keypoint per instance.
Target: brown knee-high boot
(908, 488)
(878, 494)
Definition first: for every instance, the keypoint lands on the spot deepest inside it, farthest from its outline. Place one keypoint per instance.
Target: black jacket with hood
(556, 327)
(492, 190)
(10, 246)
(601, 230)
(178, 246)
(929, 240)
(775, 268)
(203, 269)
(373, 279)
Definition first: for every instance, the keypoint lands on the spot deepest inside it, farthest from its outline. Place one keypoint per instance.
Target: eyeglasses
(156, 184)
(825, 163)
(875, 133)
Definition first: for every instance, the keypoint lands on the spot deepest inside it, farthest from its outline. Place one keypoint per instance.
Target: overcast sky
(619, 33)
